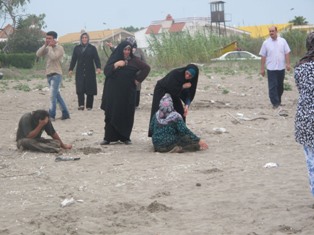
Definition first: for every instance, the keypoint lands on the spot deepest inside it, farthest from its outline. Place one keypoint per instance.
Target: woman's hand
(186, 85)
(120, 63)
(186, 110)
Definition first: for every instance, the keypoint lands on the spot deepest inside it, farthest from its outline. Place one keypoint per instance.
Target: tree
(32, 21)
(131, 29)
(299, 20)
(12, 8)
(25, 40)
(28, 36)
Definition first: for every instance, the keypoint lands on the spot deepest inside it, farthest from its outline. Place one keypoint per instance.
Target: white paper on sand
(271, 165)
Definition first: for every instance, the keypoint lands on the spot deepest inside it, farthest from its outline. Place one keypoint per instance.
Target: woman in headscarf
(85, 57)
(181, 84)
(304, 120)
(170, 133)
(123, 72)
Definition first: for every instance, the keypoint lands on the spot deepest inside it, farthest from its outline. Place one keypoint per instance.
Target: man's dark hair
(52, 33)
(40, 115)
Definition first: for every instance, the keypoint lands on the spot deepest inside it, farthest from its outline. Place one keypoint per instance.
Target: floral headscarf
(166, 112)
(309, 56)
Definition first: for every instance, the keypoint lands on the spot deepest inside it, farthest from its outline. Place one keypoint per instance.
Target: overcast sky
(66, 16)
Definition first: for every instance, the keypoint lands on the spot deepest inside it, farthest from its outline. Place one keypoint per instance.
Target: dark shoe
(127, 142)
(104, 142)
(65, 117)
(80, 108)
(89, 109)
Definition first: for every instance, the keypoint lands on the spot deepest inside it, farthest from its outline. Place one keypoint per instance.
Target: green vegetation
(22, 87)
(18, 60)
(170, 51)
(299, 20)
(296, 40)
(177, 49)
(287, 86)
(225, 91)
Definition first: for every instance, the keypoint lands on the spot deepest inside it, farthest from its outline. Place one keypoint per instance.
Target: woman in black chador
(181, 84)
(123, 72)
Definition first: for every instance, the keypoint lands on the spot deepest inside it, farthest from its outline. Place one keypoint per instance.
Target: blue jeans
(275, 85)
(54, 82)
(309, 156)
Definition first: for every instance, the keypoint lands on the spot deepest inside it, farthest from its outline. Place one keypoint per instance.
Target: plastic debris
(271, 165)
(62, 158)
(89, 133)
(67, 202)
(219, 130)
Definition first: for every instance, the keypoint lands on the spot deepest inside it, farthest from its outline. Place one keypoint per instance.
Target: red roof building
(166, 25)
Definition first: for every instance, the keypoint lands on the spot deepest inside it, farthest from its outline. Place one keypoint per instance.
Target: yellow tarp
(261, 31)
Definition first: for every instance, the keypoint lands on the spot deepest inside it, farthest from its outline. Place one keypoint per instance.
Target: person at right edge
(275, 54)
(304, 119)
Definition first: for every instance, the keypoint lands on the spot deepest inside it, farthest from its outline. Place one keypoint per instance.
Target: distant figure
(275, 54)
(304, 119)
(123, 72)
(30, 129)
(170, 133)
(85, 57)
(53, 54)
(181, 84)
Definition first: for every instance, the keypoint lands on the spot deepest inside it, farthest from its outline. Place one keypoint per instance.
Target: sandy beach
(130, 189)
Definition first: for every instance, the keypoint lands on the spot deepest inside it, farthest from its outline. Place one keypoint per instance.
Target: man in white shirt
(275, 54)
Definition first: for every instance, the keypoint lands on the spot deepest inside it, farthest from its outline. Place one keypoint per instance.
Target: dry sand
(121, 189)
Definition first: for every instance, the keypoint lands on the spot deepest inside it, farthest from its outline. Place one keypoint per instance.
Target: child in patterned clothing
(169, 131)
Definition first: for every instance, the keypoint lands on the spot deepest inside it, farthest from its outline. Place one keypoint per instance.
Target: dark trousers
(275, 85)
(89, 100)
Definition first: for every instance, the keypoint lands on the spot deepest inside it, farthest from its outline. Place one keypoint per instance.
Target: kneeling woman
(123, 72)
(181, 84)
(170, 133)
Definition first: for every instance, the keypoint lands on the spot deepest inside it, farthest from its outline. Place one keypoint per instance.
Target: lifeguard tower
(217, 17)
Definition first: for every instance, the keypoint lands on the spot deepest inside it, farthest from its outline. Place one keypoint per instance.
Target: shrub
(19, 60)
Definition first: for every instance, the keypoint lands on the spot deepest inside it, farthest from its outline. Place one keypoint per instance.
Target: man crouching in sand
(30, 129)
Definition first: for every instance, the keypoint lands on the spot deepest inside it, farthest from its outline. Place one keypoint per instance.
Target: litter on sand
(271, 165)
(62, 158)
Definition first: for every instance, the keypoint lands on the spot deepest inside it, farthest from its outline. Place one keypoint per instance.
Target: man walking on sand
(275, 54)
(53, 54)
